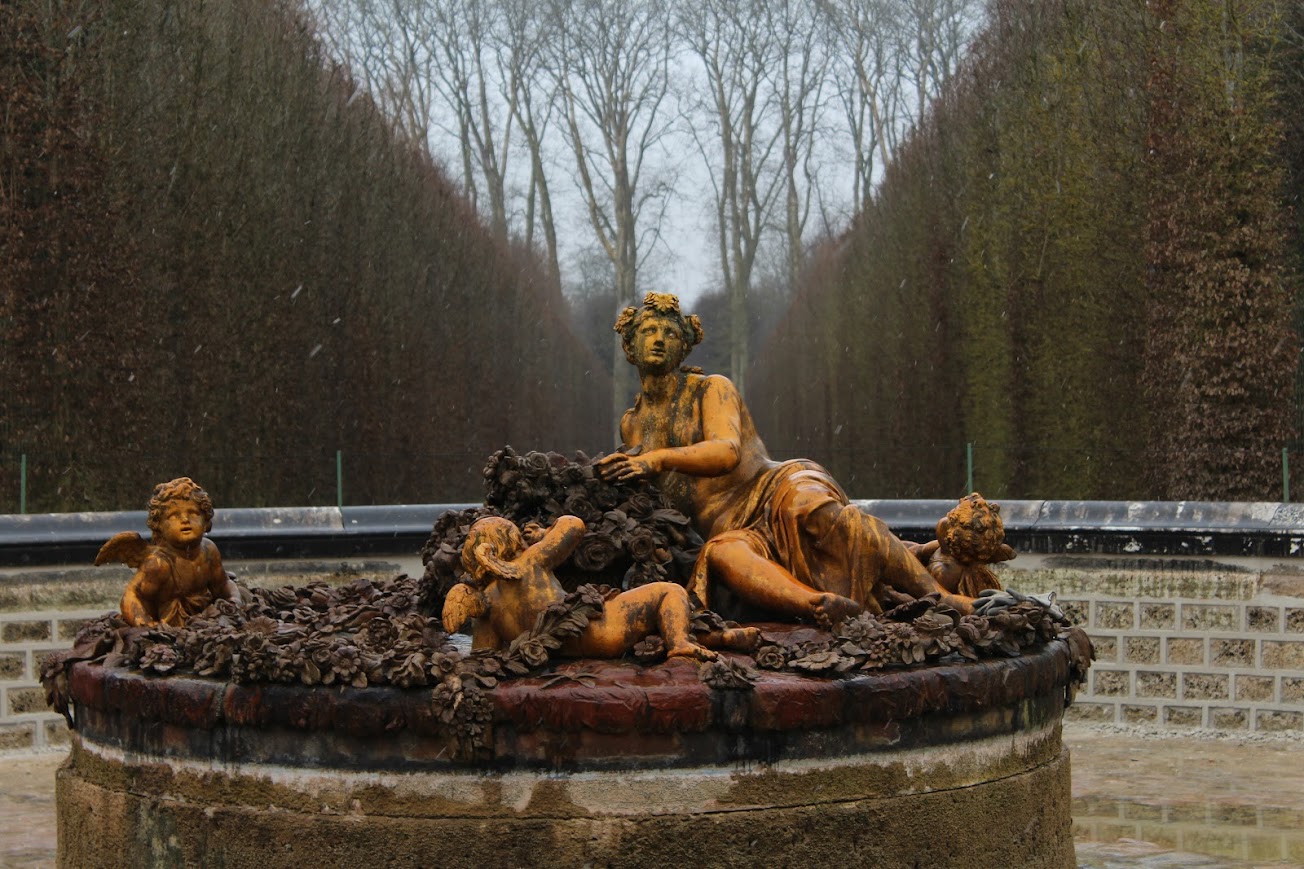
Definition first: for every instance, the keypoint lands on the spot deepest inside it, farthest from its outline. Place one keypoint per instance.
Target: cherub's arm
(716, 454)
(557, 544)
(220, 585)
(140, 600)
(923, 551)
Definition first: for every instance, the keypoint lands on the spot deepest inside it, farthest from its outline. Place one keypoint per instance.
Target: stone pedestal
(957, 765)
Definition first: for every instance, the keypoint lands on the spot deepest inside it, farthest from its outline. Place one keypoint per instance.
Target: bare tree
(436, 66)
(866, 83)
(612, 63)
(384, 46)
(521, 46)
(798, 79)
(738, 135)
(463, 33)
(932, 36)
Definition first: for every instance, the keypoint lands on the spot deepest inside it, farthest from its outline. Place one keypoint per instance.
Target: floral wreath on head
(664, 304)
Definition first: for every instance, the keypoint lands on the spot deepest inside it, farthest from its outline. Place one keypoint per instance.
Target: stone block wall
(42, 609)
(1183, 644)
(1179, 643)
(25, 637)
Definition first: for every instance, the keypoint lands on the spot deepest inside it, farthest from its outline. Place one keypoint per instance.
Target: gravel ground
(1143, 799)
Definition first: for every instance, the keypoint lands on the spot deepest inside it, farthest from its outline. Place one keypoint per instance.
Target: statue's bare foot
(691, 650)
(832, 609)
(740, 639)
(735, 639)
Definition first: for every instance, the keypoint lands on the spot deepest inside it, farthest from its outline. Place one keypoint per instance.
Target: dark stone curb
(273, 532)
(620, 714)
(1133, 528)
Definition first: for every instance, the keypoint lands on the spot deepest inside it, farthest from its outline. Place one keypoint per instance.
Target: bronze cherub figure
(179, 571)
(512, 582)
(969, 538)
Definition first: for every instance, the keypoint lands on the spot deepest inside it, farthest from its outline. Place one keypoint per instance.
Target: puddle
(1114, 833)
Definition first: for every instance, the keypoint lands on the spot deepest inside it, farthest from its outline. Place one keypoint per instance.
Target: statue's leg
(765, 584)
(632, 615)
(901, 569)
(674, 613)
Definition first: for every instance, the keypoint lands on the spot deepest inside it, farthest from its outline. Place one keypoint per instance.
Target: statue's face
(182, 523)
(658, 344)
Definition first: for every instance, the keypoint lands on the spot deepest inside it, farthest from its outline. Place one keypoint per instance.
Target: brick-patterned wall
(1203, 646)
(25, 637)
(41, 610)
(1177, 646)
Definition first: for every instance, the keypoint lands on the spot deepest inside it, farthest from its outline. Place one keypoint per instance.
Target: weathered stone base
(996, 802)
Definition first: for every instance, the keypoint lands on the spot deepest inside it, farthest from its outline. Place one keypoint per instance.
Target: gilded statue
(512, 582)
(969, 538)
(179, 571)
(781, 536)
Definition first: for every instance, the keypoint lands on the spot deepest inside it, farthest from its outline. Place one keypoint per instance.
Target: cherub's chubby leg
(676, 623)
(658, 607)
(763, 583)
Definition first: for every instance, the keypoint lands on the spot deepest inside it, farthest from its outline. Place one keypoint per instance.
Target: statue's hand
(624, 467)
(991, 601)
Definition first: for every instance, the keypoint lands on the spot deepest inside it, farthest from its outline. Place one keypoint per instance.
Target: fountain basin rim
(630, 716)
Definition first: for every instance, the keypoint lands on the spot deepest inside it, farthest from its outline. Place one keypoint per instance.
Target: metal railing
(32, 480)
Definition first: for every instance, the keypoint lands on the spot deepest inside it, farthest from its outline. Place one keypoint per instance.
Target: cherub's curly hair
(660, 305)
(973, 531)
(180, 489)
(494, 530)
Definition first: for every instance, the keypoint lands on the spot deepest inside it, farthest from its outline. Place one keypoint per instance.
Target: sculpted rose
(596, 552)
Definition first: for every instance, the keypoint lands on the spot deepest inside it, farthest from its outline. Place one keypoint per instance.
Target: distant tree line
(1085, 263)
(219, 258)
(770, 116)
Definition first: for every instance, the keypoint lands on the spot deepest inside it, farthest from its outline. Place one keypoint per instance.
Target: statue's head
(973, 533)
(490, 541)
(180, 489)
(662, 307)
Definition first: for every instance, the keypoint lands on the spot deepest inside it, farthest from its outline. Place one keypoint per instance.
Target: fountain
(866, 715)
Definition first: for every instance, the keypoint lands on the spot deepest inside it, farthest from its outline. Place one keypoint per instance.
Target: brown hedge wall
(218, 259)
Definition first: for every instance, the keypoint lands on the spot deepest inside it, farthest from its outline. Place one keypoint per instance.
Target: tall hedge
(1079, 264)
(218, 259)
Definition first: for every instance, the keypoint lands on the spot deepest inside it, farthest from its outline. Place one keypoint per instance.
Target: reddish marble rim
(607, 714)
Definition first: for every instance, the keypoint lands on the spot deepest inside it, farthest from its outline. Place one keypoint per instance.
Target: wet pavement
(1151, 799)
(27, 835)
(1142, 799)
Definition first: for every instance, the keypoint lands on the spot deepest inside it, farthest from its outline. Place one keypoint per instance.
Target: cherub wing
(127, 547)
(463, 602)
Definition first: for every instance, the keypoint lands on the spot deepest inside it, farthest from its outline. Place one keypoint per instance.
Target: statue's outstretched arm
(717, 452)
(558, 543)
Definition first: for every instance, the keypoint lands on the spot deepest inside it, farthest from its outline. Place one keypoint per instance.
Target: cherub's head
(662, 308)
(490, 540)
(180, 512)
(972, 533)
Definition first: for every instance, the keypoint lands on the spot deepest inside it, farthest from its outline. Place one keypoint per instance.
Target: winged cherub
(514, 582)
(179, 571)
(969, 538)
